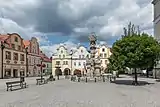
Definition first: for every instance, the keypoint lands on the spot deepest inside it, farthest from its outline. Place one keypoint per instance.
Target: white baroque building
(79, 59)
(68, 60)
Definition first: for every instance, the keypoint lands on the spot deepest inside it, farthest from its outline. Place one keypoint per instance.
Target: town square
(64, 93)
(79, 53)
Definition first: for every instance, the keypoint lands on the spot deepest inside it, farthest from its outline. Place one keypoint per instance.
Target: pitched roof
(3, 37)
(45, 58)
(26, 43)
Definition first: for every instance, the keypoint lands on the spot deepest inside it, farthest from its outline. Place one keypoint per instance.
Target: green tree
(135, 50)
(116, 64)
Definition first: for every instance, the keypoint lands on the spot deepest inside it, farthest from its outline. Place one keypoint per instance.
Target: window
(57, 62)
(16, 39)
(15, 56)
(103, 50)
(105, 55)
(79, 56)
(61, 51)
(82, 56)
(22, 57)
(81, 51)
(79, 63)
(87, 56)
(8, 55)
(59, 56)
(19, 48)
(106, 61)
(84, 63)
(47, 65)
(30, 60)
(101, 55)
(66, 62)
(34, 60)
(63, 56)
(74, 63)
(13, 46)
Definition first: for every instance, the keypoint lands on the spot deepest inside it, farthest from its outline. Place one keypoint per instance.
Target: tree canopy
(137, 51)
(134, 50)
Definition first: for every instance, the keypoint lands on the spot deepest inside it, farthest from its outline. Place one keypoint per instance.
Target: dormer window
(61, 51)
(13, 46)
(16, 39)
(81, 51)
(103, 50)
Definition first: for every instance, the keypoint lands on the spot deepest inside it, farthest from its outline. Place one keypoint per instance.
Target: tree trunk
(147, 73)
(135, 74)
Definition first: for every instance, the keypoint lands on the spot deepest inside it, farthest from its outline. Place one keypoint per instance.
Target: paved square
(64, 93)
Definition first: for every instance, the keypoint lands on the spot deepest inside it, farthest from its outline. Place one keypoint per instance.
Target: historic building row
(20, 57)
(69, 60)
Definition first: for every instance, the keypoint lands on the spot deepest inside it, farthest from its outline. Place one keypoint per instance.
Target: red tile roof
(26, 43)
(3, 37)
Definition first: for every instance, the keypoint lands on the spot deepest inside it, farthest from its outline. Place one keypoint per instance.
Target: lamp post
(2, 49)
(41, 66)
(41, 69)
(26, 49)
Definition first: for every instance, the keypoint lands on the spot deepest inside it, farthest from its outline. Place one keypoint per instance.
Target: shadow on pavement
(130, 82)
(158, 80)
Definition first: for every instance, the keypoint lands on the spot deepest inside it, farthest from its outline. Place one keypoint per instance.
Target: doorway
(15, 73)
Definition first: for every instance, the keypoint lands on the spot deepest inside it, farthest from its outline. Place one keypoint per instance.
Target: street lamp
(26, 50)
(2, 49)
(41, 66)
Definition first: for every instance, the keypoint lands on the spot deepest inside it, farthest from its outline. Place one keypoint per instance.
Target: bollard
(103, 79)
(72, 78)
(78, 79)
(95, 79)
(86, 79)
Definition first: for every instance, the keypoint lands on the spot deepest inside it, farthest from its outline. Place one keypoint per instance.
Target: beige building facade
(156, 21)
(61, 59)
(19, 56)
(104, 52)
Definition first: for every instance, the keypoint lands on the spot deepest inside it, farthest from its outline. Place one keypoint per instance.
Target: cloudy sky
(69, 22)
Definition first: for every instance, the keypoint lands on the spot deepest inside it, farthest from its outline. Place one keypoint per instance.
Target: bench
(41, 81)
(14, 84)
(51, 79)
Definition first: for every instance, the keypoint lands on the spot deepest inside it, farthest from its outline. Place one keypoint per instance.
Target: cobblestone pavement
(64, 93)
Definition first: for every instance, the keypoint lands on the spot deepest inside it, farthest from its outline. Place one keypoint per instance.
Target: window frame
(22, 58)
(16, 39)
(8, 57)
(14, 57)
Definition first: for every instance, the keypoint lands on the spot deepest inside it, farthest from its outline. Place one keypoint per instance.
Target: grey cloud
(47, 17)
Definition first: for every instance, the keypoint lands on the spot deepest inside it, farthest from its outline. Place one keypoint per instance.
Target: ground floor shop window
(7, 72)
